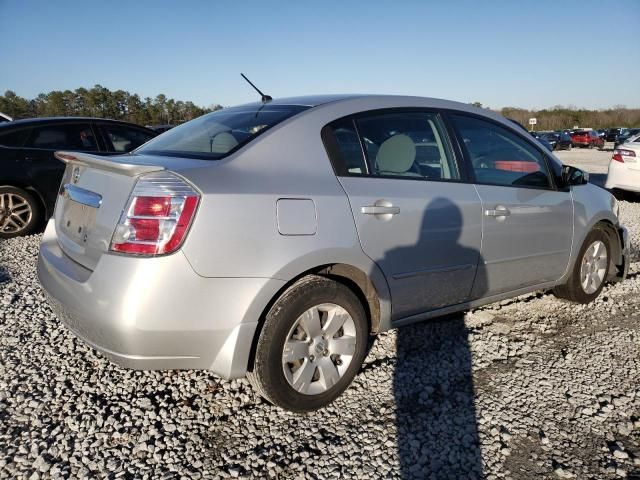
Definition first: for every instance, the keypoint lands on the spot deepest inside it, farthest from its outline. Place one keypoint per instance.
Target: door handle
(499, 211)
(380, 210)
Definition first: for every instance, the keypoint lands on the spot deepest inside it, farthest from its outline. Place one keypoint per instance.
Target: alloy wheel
(319, 348)
(15, 213)
(594, 267)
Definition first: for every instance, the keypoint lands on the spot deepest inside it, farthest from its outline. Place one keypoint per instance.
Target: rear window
(220, 133)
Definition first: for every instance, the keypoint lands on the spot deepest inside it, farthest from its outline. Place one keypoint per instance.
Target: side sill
(472, 304)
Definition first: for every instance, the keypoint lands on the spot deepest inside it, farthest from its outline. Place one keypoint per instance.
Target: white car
(624, 167)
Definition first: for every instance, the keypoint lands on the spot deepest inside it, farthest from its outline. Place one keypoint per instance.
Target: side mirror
(574, 176)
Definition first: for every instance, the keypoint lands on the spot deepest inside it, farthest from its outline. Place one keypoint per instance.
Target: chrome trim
(83, 196)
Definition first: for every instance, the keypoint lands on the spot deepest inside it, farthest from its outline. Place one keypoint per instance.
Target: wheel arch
(615, 247)
(377, 309)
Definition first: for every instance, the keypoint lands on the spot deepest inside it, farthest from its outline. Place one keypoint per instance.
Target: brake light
(619, 155)
(157, 216)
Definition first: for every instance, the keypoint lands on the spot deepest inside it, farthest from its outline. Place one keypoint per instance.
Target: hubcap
(319, 348)
(594, 267)
(15, 213)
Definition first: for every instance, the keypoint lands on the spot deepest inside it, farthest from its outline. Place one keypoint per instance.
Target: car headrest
(396, 154)
(223, 142)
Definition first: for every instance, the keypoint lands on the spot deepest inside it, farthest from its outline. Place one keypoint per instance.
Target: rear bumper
(621, 176)
(155, 313)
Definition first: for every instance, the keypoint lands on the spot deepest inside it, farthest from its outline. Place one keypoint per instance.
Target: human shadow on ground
(437, 432)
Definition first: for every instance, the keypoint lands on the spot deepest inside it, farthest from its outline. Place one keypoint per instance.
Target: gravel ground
(527, 388)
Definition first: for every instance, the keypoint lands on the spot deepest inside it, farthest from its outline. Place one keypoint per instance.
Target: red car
(586, 138)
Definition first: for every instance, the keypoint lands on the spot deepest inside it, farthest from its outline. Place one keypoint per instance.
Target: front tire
(19, 212)
(312, 345)
(590, 270)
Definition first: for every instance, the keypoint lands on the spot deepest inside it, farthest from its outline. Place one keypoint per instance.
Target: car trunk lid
(93, 193)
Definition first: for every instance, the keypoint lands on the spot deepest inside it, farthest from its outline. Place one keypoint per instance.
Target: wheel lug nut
(311, 358)
(338, 362)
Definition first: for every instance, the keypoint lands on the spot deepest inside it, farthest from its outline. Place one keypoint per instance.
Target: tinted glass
(217, 134)
(11, 137)
(501, 157)
(409, 144)
(124, 139)
(65, 136)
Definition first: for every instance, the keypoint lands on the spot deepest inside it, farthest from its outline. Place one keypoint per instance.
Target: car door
(120, 138)
(414, 216)
(527, 222)
(44, 170)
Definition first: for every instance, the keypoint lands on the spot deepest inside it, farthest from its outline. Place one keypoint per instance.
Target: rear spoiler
(113, 164)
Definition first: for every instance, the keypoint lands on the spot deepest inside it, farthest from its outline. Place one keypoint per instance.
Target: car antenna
(265, 98)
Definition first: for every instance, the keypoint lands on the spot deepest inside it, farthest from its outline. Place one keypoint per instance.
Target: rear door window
(69, 136)
(396, 144)
(121, 138)
(14, 137)
(499, 156)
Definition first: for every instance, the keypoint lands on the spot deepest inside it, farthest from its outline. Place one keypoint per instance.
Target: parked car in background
(623, 175)
(563, 141)
(259, 241)
(5, 118)
(557, 141)
(612, 134)
(623, 137)
(30, 174)
(159, 128)
(586, 138)
(543, 140)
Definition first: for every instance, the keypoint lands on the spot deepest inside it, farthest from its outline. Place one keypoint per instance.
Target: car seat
(397, 156)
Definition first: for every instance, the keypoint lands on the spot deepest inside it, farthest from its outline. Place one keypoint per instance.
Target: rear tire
(20, 212)
(312, 345)
(589, 272)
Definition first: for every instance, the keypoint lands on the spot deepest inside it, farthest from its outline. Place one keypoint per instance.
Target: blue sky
(531, 54)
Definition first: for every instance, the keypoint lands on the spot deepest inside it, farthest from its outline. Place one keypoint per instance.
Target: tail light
(157, 216)
(621, 155)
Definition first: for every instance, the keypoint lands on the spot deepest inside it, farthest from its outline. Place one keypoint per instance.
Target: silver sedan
(274, 239)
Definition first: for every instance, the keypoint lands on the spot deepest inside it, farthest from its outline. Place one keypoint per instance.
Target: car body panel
(148, 319)
(530, 245)
(433, 242)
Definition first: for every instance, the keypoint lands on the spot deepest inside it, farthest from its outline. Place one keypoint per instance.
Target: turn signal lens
(157, 217)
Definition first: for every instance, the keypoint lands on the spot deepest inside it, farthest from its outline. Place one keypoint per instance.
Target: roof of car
(309, 100)
(401, 100)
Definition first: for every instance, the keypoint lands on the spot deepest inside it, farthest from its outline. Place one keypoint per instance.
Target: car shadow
(436, 418)
(4, 275)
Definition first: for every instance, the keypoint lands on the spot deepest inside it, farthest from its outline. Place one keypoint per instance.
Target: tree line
(560, 117)
(104, 103)
(122, 105)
